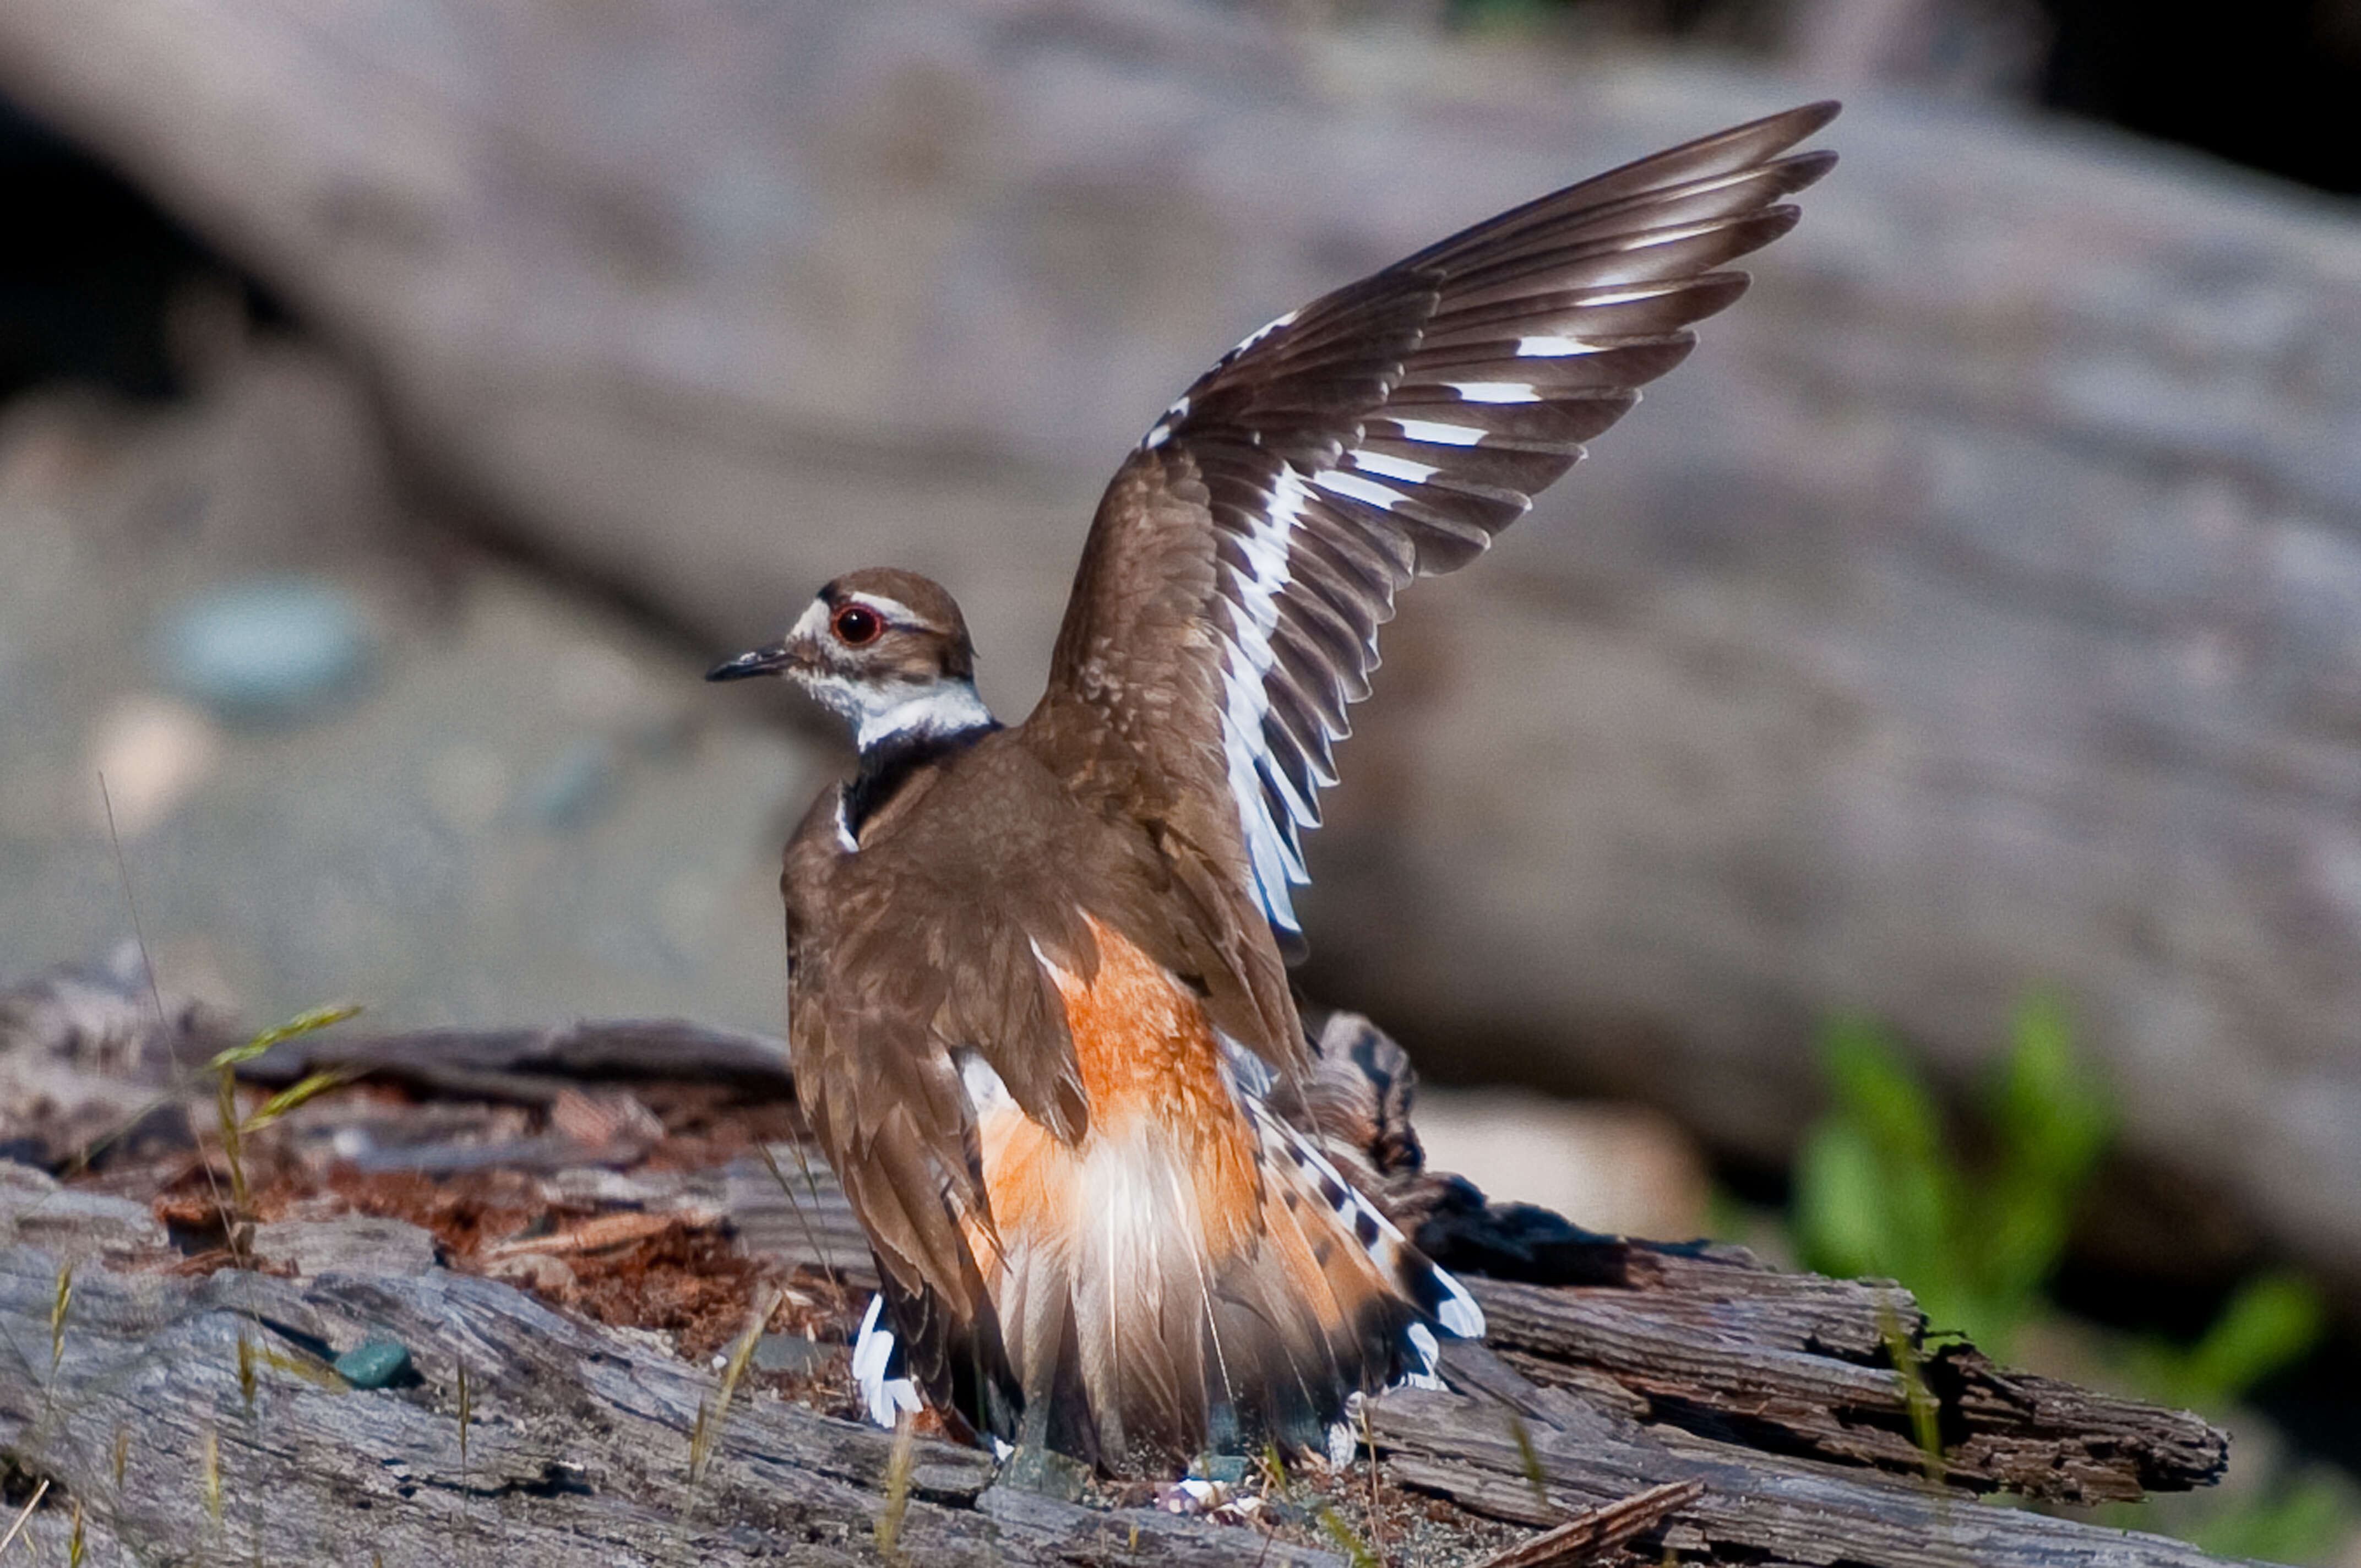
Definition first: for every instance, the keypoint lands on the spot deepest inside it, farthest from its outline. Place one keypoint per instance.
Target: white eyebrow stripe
(1394, 467)
(892, 610)
(1436, 434)
(1496, 391)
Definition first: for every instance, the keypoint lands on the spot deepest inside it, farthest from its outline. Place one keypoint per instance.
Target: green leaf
(2272, 1322)
(1876, 1090)
(297, 1093)
(2049, 1113)
(1839, 1213)
(318, 1018)
(1881, 1190)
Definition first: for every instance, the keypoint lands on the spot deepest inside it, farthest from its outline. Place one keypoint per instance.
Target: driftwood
(1685, 1397)
(579, 1441)
(236, 1444)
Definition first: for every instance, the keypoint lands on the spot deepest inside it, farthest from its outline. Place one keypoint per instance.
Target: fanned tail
(1191, 1273)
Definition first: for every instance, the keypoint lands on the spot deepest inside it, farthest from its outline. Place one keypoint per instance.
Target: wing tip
(1788, 126)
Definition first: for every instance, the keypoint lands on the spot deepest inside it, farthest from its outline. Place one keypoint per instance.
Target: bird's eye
(856, 625)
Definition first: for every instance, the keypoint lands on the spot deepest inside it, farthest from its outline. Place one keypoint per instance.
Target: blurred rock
(153, 753)
(569, 790)
(1977, 608)
(1625, 1171)
(265, 650)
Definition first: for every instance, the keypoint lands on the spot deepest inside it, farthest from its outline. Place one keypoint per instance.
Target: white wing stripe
(1495, 391)
(1161, 431)
(1267, 849)
(1302, 810)
(1436, 434)
(1254, 612)
(1262, 332)
(1400, 469)
(1336, 481)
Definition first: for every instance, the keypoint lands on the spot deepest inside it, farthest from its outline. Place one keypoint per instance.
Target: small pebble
(154, 752)
(374, 1364)
(265, 650)
(570, 791)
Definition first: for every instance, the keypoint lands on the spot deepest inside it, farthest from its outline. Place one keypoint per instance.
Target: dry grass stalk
(708, 1432)
(34, 1502)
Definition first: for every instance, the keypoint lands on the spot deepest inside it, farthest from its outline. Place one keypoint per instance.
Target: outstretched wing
(1229, 600)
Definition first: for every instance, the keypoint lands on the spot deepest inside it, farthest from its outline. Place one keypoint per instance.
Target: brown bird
(1039, 986)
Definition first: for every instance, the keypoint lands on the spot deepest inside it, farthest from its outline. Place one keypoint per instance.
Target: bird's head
(887, 650)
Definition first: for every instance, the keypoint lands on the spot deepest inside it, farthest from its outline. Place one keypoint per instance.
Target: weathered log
(1757, 1508)
(197, 1421)
(578, 1443)
(188, 1415)
(1698, 1337)
(1718, 1346)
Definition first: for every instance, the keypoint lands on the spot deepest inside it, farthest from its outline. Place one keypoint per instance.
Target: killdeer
(1039, 994)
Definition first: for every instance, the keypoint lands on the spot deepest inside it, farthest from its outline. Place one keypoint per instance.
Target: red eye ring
(857, 625)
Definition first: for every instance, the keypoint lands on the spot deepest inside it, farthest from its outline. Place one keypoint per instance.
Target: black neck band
(887, 766)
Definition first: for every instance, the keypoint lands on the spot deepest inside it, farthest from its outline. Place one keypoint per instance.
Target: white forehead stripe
(812, 622)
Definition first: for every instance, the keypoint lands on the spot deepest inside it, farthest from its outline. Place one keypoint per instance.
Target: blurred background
(1899, 803)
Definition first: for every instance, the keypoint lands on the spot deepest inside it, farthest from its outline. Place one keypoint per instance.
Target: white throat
(884, 714)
